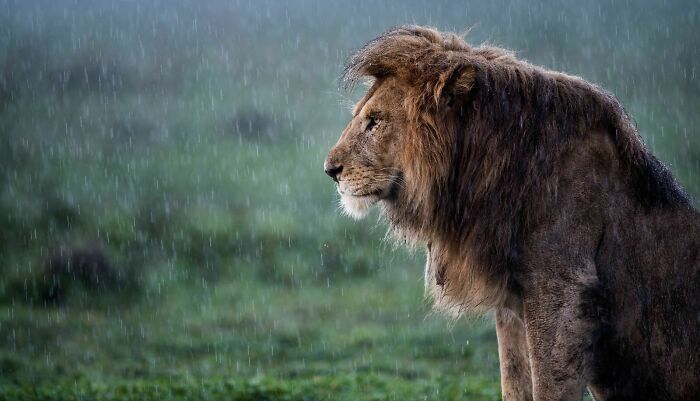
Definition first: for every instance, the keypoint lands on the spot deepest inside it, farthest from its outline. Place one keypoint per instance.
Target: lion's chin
(357, 207)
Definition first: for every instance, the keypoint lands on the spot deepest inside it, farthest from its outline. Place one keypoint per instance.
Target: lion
(534, 197)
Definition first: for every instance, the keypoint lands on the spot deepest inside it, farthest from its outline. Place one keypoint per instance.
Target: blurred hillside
(163, 211)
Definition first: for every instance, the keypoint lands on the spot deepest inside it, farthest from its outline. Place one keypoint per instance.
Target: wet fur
(535, 196)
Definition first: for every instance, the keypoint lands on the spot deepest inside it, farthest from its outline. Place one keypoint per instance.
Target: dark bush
(251, 125)
(90, 72)
(87, 265)
(133, 132)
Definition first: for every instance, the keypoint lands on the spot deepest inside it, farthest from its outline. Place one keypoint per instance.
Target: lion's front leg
(516, 382)
(559, 341)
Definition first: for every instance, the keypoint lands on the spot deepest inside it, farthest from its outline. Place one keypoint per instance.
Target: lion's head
(459, 146)
(394, 149)
(367, 161)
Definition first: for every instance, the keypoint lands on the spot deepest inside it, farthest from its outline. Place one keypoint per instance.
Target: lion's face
(365, 163)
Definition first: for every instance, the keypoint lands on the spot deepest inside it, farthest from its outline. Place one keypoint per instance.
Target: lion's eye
(371, 124)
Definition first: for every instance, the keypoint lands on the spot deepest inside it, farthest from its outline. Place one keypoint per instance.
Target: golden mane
(485, 132)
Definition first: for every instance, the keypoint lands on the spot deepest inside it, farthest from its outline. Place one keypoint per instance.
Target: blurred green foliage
(179, 145)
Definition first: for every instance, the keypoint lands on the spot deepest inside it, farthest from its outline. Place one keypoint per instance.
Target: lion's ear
(465, 82)
(456, 81)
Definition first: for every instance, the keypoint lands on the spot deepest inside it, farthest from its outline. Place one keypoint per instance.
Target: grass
(361, 338)
(351, 387)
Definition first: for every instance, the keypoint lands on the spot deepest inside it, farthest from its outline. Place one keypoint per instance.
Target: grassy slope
(364, 338)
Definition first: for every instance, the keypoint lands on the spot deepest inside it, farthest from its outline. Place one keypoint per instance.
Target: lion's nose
(333, 170)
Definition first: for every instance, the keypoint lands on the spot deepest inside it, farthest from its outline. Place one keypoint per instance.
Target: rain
(166, 227)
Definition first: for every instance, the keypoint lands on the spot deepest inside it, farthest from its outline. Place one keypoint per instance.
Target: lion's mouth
(387, 191)
(357, 203)
(378, 193)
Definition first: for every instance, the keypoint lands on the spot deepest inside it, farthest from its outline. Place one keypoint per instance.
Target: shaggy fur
(517, 179)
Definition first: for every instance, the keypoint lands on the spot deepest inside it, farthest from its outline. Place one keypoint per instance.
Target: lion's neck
(455, 278)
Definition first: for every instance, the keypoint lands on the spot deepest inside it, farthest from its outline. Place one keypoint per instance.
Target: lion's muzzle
(333, 169)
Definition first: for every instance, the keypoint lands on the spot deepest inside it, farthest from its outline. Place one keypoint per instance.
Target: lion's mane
(486, 131)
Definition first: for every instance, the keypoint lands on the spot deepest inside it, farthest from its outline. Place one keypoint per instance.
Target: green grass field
(180, 146)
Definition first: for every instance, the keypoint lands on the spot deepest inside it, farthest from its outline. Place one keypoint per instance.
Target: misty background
(166, 228)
